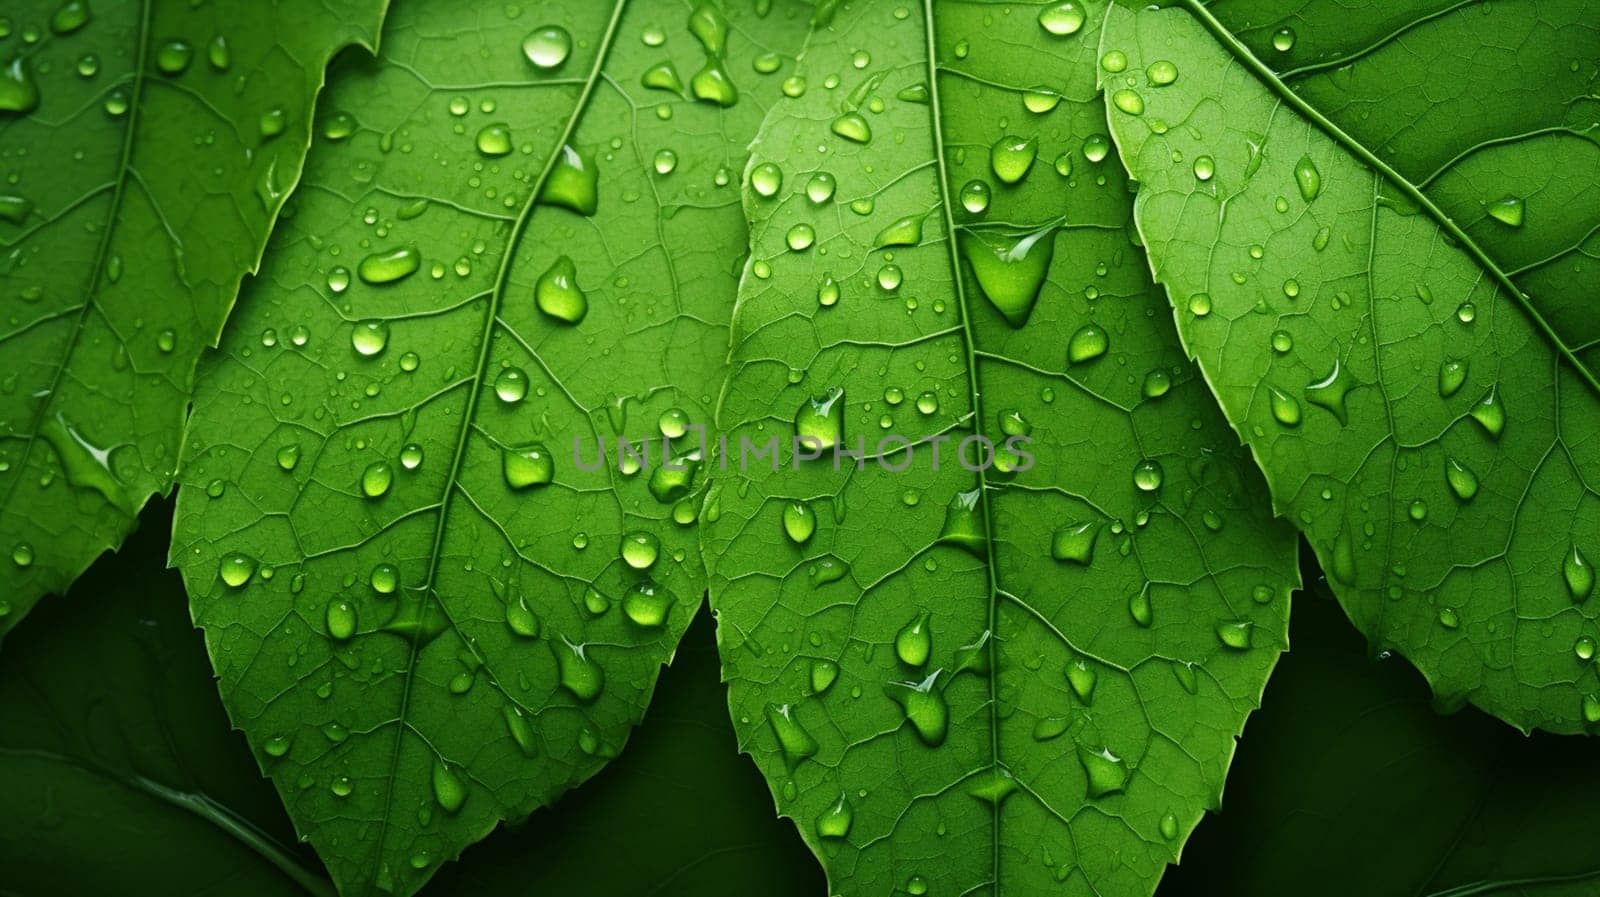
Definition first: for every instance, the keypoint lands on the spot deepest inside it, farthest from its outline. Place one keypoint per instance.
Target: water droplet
(1330, 392)
(72, 15)
(527, 467)
(1082, 678)
(511, 385)
(520, 729)
(557, 292)
(376, 478)
(1074, 543)
(793, 739)
(173, 57)
(851, 126)
(578, 674)
(1283, 40)
(1285, 410)
(1463, 482)
(86, 465)
(22, 556)
(924, 707)
(521, 619)
(975, 199)
(1147, 475)
(1490, 412)
(341, 786)
(799, 523)
(823, 674)
(1088, 343)
(495, 139)
(640, 549)
(647, 604)
(370, 337)
(1011, 157)
(1105, 772)
(662, 76)
(390, 265)
(548, 47)
(914, 642)
(834, 822)
(385, 578)
(1508, 211)
(819, 421)
(341, 618)
(1235, 634)
(1308, 178)
(573, 183)
(1010, 270)
(234, 571)
(800, 237)
(1062, 19)
(1114, 61)
(18, 92)
(1579, 574)
(1204, 167)
(448, 789)
(906, 231)
(1161, 73)
(1128, 101)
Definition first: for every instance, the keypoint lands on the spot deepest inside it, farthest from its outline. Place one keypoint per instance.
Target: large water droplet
(19, 93)
(1062, 19)
(375, 480)
(235, 569)
(1010, 157)
(1010, 270)
(573, 183)
(1105, 772)
(557, 292)
(793, 739)
(1507, 211)
(1490, 412)
(341, 619)
(448, 789)
(913, 644)
(548, 47)
(1462, 481)
(1308, 178)
(1088, 343)
(647, 604)
(1330, 392)
(1074, 542)
(494, 139)
(819, 421)
(640, 549)
(1579, 574)
(924, 707)
(577, 672)
(834, 822)
(390, 265)
(851, 126)
(799, 523)
(369, 338)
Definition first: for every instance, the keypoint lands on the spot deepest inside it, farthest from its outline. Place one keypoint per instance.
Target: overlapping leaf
(1007, 681)
(1408, 367)
(145, 148)
(426, 612)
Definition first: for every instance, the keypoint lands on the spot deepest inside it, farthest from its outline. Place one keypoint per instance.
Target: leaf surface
(145, 149)
(960, 682)
(427, 614)
(1434, 431)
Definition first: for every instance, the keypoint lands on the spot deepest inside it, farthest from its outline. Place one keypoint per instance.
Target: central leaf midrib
(969, 350)
(486, 338)
(1242, 54)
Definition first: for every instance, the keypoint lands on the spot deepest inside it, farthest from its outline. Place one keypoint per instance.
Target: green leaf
(1014, 681)
(427, 614)
(117, 769)
(1347, 782)
(1430, 428)
(147, 150)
